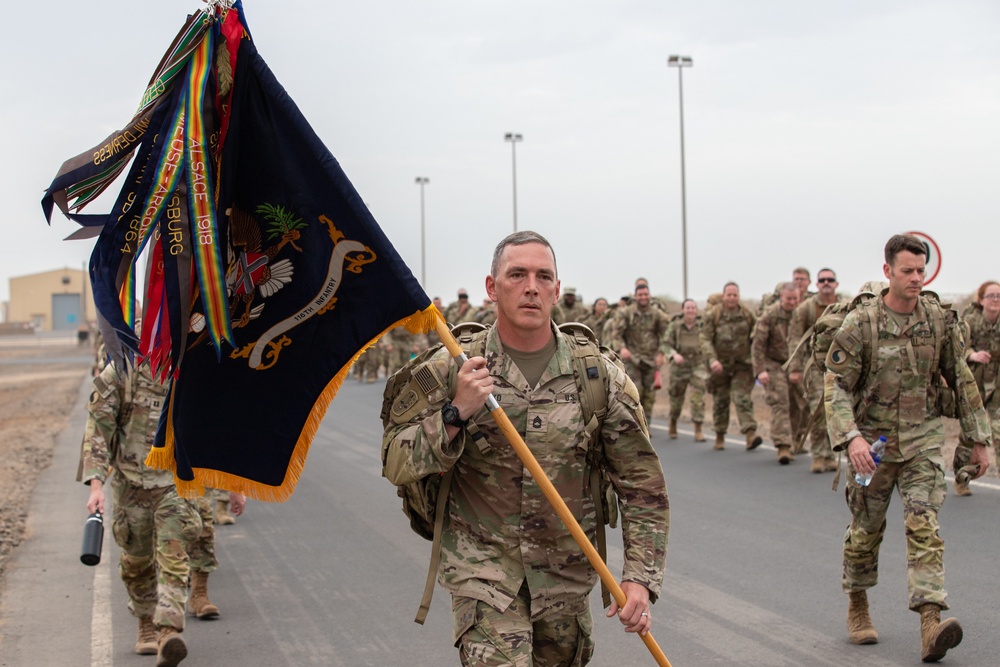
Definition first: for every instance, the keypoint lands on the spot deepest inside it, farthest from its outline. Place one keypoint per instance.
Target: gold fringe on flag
(163, 457)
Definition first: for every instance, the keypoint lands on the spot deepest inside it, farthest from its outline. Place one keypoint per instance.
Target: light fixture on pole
(513, 138)
(680, 62)
(422, 181)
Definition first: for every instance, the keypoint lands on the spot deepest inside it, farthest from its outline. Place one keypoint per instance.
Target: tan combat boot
(720, 440)
(962, 488)
(785, 454)
(859, 623)
(222, 515)
(753, 440)
(673, 428)
(146, 644)
(831, 465)
(698, 435)
(937, 636)
(198, 602)
(172, 648)
(818, 465)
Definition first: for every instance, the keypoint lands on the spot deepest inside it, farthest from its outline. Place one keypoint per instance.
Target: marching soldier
(725, 341)
(687, 367)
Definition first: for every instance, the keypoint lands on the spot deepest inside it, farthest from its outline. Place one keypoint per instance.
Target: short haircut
(685, 302)
(901, 242)
(801, 269)
(789, 287)
(641, 286)
(728, 284)
(520, 238)
(825, 269)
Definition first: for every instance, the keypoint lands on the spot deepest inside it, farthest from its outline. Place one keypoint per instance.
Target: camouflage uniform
(397, 347)
(686, 342)
(725, 337)
(577, 313)
(201, 552)
(812, 370)
(596, 324)
(642, 333)
(367, 365)
(504, 551)
(151, 523)
(898, 400)
(981, 335)
(453, 314)
(769, 352)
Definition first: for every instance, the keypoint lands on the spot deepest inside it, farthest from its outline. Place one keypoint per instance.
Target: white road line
(101, 635)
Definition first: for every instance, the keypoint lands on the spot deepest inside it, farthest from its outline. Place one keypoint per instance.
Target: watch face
(450, 415)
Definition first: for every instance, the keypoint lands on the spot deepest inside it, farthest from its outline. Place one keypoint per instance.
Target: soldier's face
(801, 281)
(642, 297)
(569, 299)
(525, 288)
(731, 298)
(906, 275)
(827, 283)
(789, 300)
(600, 306)
(690, 311)
(991, 301)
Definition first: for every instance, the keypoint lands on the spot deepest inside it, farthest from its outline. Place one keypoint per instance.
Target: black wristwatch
(451, 417)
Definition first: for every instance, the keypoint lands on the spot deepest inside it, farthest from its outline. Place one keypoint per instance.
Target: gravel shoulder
(38, 388)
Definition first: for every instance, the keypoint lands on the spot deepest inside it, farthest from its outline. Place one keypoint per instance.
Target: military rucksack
(769, 298)
(824, 332)
(425, 501)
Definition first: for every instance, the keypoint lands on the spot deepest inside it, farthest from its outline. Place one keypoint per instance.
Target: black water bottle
(93, 539)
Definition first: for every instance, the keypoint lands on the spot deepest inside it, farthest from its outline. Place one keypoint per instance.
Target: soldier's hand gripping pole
(549, 490)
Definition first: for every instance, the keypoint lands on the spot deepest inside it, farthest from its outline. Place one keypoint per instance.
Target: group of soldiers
(725, 351)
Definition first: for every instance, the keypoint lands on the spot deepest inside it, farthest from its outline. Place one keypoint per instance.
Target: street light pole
(513, 138)
(422, 181)
(680, 62)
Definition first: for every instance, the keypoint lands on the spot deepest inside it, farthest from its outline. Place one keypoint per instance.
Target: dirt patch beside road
(38, 387)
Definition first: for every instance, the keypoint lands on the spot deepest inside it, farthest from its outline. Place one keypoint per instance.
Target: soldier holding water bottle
(883, 378)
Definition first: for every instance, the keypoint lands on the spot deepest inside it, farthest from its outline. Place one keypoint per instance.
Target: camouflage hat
(569, 290)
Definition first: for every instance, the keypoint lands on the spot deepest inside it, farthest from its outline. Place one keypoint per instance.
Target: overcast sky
(813, 130)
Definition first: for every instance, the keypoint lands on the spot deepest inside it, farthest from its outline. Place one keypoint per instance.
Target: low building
(59, 300)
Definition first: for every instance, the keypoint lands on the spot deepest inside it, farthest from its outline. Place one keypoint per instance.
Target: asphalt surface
(334, 575)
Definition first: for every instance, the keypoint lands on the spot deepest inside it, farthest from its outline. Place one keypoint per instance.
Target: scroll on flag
(269, 276)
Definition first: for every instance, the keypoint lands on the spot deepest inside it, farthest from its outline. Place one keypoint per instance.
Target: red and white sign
(933, 256)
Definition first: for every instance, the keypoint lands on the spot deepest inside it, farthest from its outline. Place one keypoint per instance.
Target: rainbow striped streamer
(201, 197)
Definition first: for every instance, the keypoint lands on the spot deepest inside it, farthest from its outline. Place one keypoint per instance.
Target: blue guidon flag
(268, 275)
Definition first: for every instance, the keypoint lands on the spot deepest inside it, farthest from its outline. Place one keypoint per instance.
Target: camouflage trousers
(815, 422)
(786, 406)
(921, 486)
(488, 638)
(154, 528)
(643, 375)
(963, 453)
(367, 365)
(396, 358)
(201, 552)
(735, 382)
(689, 374)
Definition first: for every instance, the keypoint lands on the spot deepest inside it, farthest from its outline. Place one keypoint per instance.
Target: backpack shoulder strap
(472, 337)
(591, 375)
(435, 563)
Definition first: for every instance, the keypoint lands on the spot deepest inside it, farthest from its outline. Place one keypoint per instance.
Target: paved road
(333, 576)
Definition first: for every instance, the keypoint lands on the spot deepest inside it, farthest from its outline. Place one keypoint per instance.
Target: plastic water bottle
(877, 450)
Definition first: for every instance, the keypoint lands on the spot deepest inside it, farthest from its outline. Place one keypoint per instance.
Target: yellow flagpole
(550, 492)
